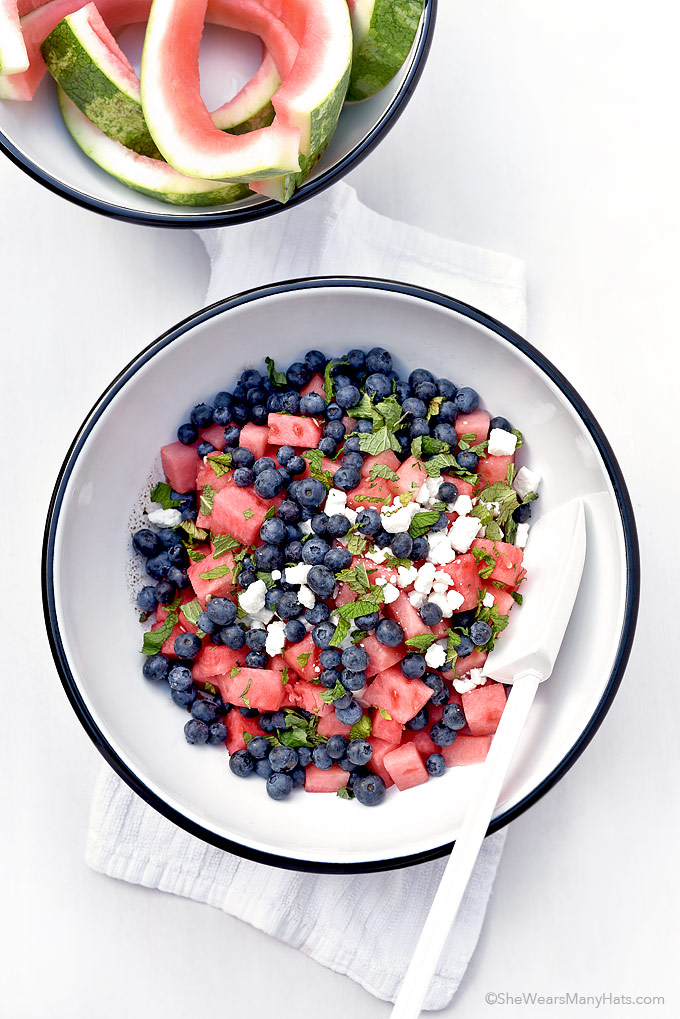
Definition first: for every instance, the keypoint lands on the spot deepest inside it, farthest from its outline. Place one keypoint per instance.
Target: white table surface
(545, 130)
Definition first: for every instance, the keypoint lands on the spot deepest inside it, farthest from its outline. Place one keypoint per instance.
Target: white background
(548, 131)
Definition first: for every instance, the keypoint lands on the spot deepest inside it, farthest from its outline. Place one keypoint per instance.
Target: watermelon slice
(401, 698)
(13, 55)
(475, 424)
(383, 32)
(254, 438)
(508, 559)
(236, 726)
(293, 430)
(254, 688)
(405, 766)
(483, 708)
(252, 107)
(380, 748)
(215, 660)
(317, 781)
(180, 463)
(466, 750)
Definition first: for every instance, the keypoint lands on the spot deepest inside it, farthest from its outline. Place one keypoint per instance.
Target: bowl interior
(38, 135)
(98, 625)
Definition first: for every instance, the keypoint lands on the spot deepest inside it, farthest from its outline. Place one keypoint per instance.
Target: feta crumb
(417, 599)
(377, 555)
(442, 601)
(258, 620)
(165, 517)
(423, 582)
(433, 484)
(391, 593)
(252, 599)
(306, 597)
(467, 683)
(454, 599)
(522, 535)
(397, 520)
(463, 532)
(463, 505)
(406, 575)
(526, 481)
(297, 574)
(488, 600)
(441, 552)
(435, 656)
(350, 514)
(438, 587)
(423, 495)
(335, 502)
(305, 526)
(380, 581)
(276, 574)
(443, 578)
(501, 443)
(276, 638)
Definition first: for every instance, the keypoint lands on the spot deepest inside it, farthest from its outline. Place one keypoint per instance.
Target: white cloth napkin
(332, 235)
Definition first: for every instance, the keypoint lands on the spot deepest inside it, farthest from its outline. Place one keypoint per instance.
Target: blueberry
(419, 721)
(232, 435)
(187, 645)
(156, 668)
(242, 457)
(279, 786)
(319, 524)
(256, 397)
(268, 484)
(233, 637)
(331, 658)
(389, 633)
(466, 459)
(257, 660)
(320, 580)
(275, 403)
(273, 531)
(329, 678)
(337, 559)
(222, 415)
(347, 478)
(223, 399)
(243, 477)
(453, 716)
(420, 375)
(304, 756)
(248, 712)
(349, 715)
(448, 412)
(218, 733)
(263, 769)
(259, 747)
(500, 422)
(288, 512)
(447, 492)
(402, 391)
(378, 386)
(346, 765)
(341, 380)
(446, 388)
(463, 619)
(413, 666)
(184, 698)
(288, 606)
(298, 777)
(356, 359)
(352, 460)
(435, 764)
(353, 681)
(256, 639)
(368, 622)
(368, 521)
(298, 465)
(466, 400)
(314, 550)
(419, 426)
(241, 763)
(334, 412)
(298, 375)
(278, 721)
(283, 758)
(419, 549)
(334, 430)
(293, 552)
(414, 408)
(295, 631)
(440, 693)
(359, 751)
(318, 613)
(347, 396)
(480, 633)
(446, 433)
(321, 758)
(310, 493)
(312, 405)
(146, 599)
(338, 525)
(337, 746)
(351, 444)
(187, 434)
(431, 614)
(196, 731)
(269, 557)
(285, 455)
(205, 710)
(378, 360)
(205, 448)
(178, 556)
(466, 646)
(382, 539)
(221, 611)
(146, 542)
(355, 658)
(315, 361)
(165, 591)
(263, 463)
(328, 446)
(157, 566)
(323, 632)
(441, 735)
(402, 544)
(522, 514)
(370, 790)
(179, 678)
(240, 413)
(250, 378)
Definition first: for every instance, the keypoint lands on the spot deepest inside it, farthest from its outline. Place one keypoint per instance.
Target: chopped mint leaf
(224, 543)
(357, 578)
(511, 531)
(154, 639)
(385, 714)
(422, 522)
(423, 641)
(234, 671)
(405, 498)
(437, 464)
(344, 793)
(247, 736)
(209, 688)
(483, 513)
(493, 532)
(435, 404)
(378, 500)
(393, 563)
(315, 459)
(482, 556)
(506, 498)
(207, 499)
(390, 411)
(529, 497)
(248, 513)
(277, 378)
(220, 463)
(303, 659)
(194, 554)
(517, 597)
(355, 543)
(467, 438)
(195, 533)
(382, 471)
(216, 572)
(161, 493)
(452, 643)
(328, 696)
(520, 437)
(363, 606)
(243, 695)
(365, 409)
(425, 445)
(361, 729)
(359, 635)
(269, 581)
(192, 610)
(328, 384)
(285, 675)
(510, 474)
(341, 630)
(377, 442)
(270, 513)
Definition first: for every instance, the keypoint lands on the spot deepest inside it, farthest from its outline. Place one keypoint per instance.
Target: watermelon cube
(476, 424)
(466, 750)
(214, 435)
(206, 476)
(465, 576)
(421, 741)
(254, 438)
(308, 696)
(380, 748)
(255, 688)
(407, 617)
(304, 658)
(371, 494)
(329, 725)
(345, 594)
(508, 559)
(215, 660)
(236, 725)
(387, 729)
(292, 430)
(317, 781)
(387, 459)
(168, 646)
(494, 468)
(180, 466)
(380, 657)
(483, 708)
(405, 766)
(503, 599)
(219, 587)
(412, 475)
(475, 660)
(315, 385)
(239, 512)
(400, 697)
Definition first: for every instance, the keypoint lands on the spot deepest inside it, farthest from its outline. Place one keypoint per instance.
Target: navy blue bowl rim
(248, 215)
(313, 283)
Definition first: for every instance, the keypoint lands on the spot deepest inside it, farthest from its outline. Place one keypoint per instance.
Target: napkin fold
(335, 234)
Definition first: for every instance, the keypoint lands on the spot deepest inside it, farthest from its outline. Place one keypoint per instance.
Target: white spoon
(525, 657)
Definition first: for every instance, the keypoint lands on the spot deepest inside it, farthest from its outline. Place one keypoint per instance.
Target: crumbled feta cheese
(433, 486)
(463, 532)
(377, 555)
(441, 552)
(526, 481)
(454, 599)
(522, 535)
(488, 600)
(391, 593)
(423, 495)
(276, 638)
(501, 443)
(165, 517)
(467, 683)
(395, 520)
(258, 620)
(435, 656)
(495, 508)
(305, 526)
(438, 587)
(423, 581)
(406, 575)
(335, 502)
(276, 574)
(306, 597)
(442, 601)
(297, 574)
(443, 578)
(463, 505)
(380, 581)
(350, 514)
(252, 599)
(417, 599)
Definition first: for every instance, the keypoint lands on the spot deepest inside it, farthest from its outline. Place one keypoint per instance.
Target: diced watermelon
(380, 748)
(483, 708)
(215, 660)
(236, 725)
(412, 474)
(220, 587)
(494, 468)
(421, 741)
(465, 576)
(168, 646)
(315, 385)
(503, 599)
(255, 688)
(239, 512)
(329, 725)
(254, 438)
(308, 696)
(345, 594)
(464, 487)
(317, 781)
(206, 476)
(476, 424)
(380, 657)
(309, 655)
(371, 494)
(387, 729)
(292, 430)
(214, 435)
(405, 766)
(407, 617)
(326, 465)
(387, 459)
(508, 559)
(180, 466)
(466, 750)
(475, 660)
(399, 697)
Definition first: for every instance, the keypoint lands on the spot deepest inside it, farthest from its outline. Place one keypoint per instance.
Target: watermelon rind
(13, 54)
(149, 176)
(251, 108)
(384, 31)
(84, 58)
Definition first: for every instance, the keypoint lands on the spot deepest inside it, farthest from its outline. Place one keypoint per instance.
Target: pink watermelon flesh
(387, 729)
(503, 600)
(215, 660)
(476, 424)
(483, 708)
(421, 741)
(236, 725)
(215, 436)
(508, 560)
(380, 657)
(380, 748)
(405, 766)
(315, 385)
(465, 576)
(306, 695)
(317, 781)
(399, 697)
(493, 468)
(180, 466)
(308, 653)
(412, 475)
(254, 438)
(239, 512)
(329, 725)
(466, 750)
(407, 617)
(220, 587)
(292, 430)
(255, 688)
(368, 494)
(386, 459)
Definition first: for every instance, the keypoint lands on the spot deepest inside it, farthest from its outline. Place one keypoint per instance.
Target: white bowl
(94, 631)
(34, 135)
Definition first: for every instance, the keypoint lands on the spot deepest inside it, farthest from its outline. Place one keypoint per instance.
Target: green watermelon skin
(382, 52)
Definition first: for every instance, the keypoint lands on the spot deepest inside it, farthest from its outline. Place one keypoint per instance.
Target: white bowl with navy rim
(96, 643)
(34, 136)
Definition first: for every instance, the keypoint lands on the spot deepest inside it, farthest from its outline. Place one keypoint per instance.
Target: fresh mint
(194, 533)
(357, 578)
(216, 572)
(439, 463)
(361, 729)
(223, 543)
(493, 532)
(434, 405)
(356, 544)
(248, 513)
(207, 500)
(162, 493)
(303, 659)
(425, 445)
(328, 383)
(382, 471)
(276, 378)
(220, 463)
(314, 458)
(452, 643)
(422, 642)
(155, 639)
(344, 793)
(378, 442)
(520, 438)
(242, 696)
(517, 597)
(329, 696)
(191, 610)
(489, 561)
(194, 554)
(385, 714)
(422, 522)
(285, 675)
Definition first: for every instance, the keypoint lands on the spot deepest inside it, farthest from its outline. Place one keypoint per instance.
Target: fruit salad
(336, 548)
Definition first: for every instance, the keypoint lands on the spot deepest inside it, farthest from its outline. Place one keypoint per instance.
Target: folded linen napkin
(332, 235)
